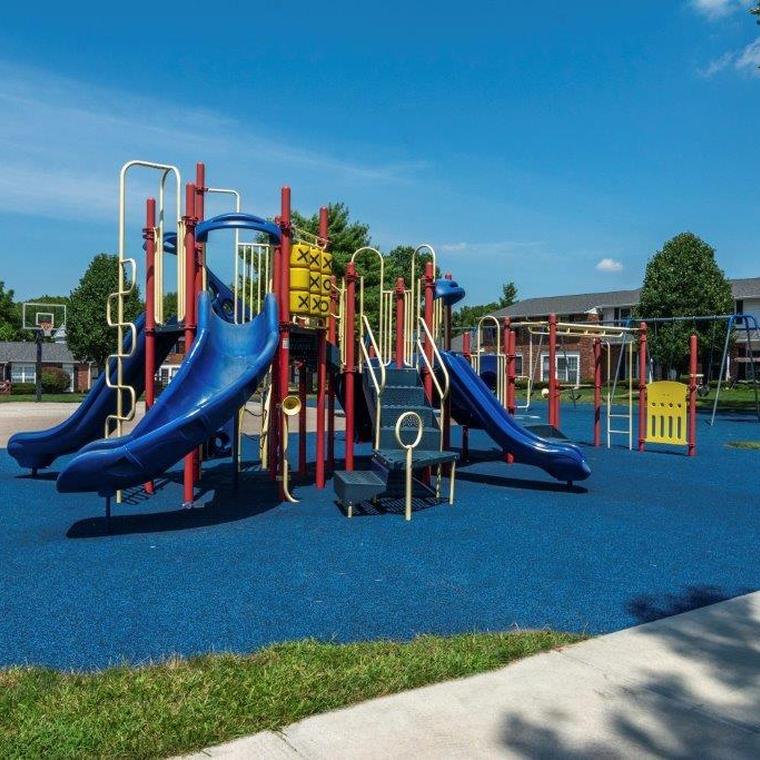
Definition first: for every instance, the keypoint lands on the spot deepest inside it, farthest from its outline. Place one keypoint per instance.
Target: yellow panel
(299, 279)
(324, 306)
(300, 303)
(315, 282)
(300, 255)
(315, 305)
(315, 257)
(326, 285)
(667, 412)
(327, 259)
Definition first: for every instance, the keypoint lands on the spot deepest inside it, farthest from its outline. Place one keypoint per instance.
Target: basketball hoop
(46, 328)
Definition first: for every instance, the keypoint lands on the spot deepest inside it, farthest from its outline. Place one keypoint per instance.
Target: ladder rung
(619, 432)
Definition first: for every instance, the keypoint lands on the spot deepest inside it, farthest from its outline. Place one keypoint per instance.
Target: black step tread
(395, 459)
(359, 477)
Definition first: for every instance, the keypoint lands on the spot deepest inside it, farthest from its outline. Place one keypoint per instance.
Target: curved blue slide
(41, 448)
(474, 404)
(221, 372)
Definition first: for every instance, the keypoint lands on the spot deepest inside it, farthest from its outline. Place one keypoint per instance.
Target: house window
(622, 313)
(739, 306)
(166, 374)
(23, 373)
(568, 367)
(518, 365)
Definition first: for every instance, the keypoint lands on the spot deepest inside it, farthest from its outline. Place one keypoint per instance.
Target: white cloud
(716, 9)
(609, 265)
(744, 61)
(62, 142)
(498, 246)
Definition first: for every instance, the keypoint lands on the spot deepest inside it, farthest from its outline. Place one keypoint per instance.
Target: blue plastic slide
(40, 449)
(221, 372)
(473, 404)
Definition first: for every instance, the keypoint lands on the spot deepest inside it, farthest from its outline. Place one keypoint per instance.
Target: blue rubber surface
(225, 365)
(648, 535)
(473, 403)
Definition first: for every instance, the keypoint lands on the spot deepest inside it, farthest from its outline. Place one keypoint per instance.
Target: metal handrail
(379, 385)
(408, 448)
(443, 392)
(500, 357)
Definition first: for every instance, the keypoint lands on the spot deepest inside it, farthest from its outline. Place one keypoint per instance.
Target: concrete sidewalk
(685, 686)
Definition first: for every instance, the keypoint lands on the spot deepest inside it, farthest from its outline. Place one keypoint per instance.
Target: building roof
(581, 303)
(26, 351)
(748, 287)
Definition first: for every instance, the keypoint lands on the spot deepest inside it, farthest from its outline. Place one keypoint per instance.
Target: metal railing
(442, 391)
(379, 384)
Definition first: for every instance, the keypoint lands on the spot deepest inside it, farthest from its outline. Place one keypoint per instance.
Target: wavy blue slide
(41, 448)
(474, 404)
(222, 370)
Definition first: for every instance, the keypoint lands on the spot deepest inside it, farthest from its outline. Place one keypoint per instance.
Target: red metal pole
(429, 285)
(467, 345)
(693, 351)
(510, 349)
(597, 392)
(200, 262)
(642, 385)
(400, 287)
(321, 372)
(200, 206)
(283, 359)
(149, 234)
(553, 385)
(190, 322)
(332, 340)
(350, 378)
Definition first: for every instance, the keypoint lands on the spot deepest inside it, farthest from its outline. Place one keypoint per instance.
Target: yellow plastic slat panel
(666, 412)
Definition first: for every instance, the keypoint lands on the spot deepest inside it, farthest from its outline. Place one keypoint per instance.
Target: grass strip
(185, 704)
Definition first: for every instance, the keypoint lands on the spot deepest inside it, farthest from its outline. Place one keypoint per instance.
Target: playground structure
(393, 374)
(666, 409)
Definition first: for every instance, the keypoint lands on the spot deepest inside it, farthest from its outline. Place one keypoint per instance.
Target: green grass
(183, 705)
(63, 398)
(744, 444)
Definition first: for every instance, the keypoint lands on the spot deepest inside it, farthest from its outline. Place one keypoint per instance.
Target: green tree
(508, 294)
(346, 236)
(683, 279)
(89, 337)
(10, 315)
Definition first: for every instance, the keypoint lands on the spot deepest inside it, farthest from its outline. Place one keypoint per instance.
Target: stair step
(406, 376)
(395, 459)
(357, 485)
(431, 437)
(389, 413)
(404, 395)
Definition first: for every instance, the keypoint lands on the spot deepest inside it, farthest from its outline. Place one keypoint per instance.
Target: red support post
(283, 358)
(399, 294)
(642, 385)
(429, 285)
(511, 353)
(350, 378)
(553, 384)
(200, 207)
(149, 235)
(467, 345)
(200, 263)
(332, 337)
(692, 421)
(190, 322)
(321, 371)
(597, 392)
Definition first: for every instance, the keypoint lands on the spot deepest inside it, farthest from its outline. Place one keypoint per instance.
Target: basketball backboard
(43, 317)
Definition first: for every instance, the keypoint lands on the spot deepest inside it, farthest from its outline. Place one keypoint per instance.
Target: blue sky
(556, 144)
